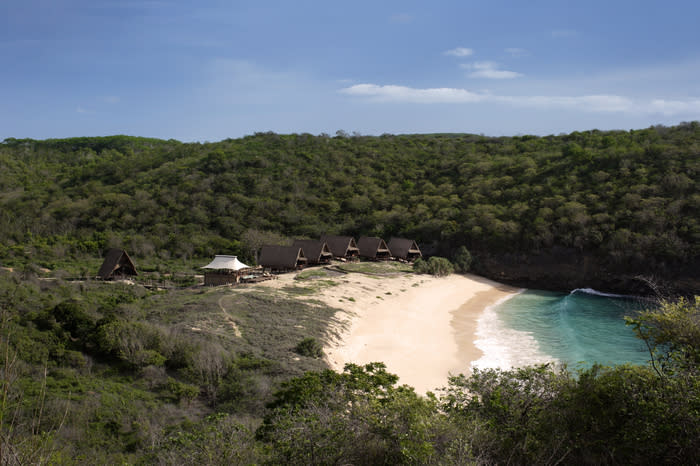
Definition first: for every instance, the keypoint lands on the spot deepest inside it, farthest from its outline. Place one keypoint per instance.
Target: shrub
(462, 259)
(309, 347)
(438, 266)
(182, 391)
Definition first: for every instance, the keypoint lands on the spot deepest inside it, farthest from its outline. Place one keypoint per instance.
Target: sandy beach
(422, 327)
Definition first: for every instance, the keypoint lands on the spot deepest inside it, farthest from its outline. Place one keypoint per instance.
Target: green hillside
(96, 372)
(589, 206)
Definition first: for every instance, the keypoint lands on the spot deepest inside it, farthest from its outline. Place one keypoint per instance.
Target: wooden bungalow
(316, 252)
(282, 258)
(373, 248)
(404, 249)
(117, 266)
(224, 270)
(342, 247)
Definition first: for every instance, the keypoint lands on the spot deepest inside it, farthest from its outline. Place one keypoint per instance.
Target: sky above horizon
(210, 70)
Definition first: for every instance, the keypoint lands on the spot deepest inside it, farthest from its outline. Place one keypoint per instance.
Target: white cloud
(516, 52)
(488, 70)
(675, 107)
(597, 103)
(459, 52)
(80, 109)
(393, 93)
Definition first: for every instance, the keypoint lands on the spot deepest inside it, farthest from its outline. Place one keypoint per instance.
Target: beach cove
(422, 327)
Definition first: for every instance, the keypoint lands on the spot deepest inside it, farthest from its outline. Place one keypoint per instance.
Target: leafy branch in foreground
(672, 333)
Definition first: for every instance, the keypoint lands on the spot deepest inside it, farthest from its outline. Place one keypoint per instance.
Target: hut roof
(222, 262)
(371, 246)
(282, 257)
(341, 246)
(117, 261)
(314, 250)
(402, 247)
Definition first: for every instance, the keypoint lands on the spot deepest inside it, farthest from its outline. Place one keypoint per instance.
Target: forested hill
(593, 208)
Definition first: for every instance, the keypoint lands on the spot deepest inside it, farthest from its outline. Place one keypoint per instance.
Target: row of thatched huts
(313, 252)
(228, 269)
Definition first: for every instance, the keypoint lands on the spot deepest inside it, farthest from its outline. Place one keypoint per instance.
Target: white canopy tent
(226, 263)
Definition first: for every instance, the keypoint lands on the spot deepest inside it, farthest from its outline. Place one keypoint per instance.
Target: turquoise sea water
(581, 327)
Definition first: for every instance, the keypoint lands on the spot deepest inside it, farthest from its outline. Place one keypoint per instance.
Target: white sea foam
(503, 347)
(598, 293)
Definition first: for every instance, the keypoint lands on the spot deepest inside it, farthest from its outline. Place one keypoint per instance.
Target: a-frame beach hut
(282, 258)
(316, 252)
(373, 248)
(117, 265)
(342, 247)
(404, 249)
(224, 270)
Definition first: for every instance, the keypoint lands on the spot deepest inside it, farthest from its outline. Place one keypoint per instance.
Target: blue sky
(209, 70)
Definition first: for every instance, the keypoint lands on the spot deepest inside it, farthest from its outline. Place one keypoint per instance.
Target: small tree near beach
(438, 266)
(462, 259)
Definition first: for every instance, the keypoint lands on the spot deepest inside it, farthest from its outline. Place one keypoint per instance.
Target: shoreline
(465, 321)
(422, 327)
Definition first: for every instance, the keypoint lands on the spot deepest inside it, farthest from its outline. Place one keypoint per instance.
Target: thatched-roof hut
(342, 247)
(117, 265)
(282, 258)
(406, 249)
(316, 252)
(373, 248)
(223, 270)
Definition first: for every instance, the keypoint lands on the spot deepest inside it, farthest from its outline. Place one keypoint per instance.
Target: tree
(357, 417)
(438, 266)
(253, 240)
(462, 259)
(672, 333)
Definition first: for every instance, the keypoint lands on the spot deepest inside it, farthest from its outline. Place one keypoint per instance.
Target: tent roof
(226, 263)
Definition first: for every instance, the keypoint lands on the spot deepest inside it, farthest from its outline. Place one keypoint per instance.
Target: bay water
(579, 329)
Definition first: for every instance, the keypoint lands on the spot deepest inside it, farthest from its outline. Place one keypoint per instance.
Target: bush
(182, 391)
(438, 266)
(309, 347)
(462, 259)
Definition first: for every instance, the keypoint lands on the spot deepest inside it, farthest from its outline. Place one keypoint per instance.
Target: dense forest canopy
(624, 201)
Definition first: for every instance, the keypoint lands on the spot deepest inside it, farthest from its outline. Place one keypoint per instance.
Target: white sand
(420, 326)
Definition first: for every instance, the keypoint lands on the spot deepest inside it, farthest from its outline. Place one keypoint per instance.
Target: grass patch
(310, 289)
(313, 274)
(376, 268)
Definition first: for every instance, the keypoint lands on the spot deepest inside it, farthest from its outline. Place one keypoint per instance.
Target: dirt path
(229, 319)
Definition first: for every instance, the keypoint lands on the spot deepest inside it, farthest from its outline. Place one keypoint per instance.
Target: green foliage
(357, 417)
(375, 268)
(625, 199)
(462, 260)
(507, 413)
(115, 374)
(672, 332)
(438, 266)
(182, 391)
(219, 439)
(309, 347)
(620, 415)
(134, 343)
